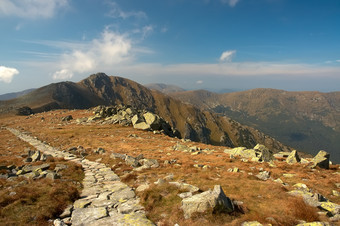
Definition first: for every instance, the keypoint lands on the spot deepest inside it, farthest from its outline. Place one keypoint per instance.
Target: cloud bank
(7, 74)
(31, 8)
(117, 12)
(109, 50)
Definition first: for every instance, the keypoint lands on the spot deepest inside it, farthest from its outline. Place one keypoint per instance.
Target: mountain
(100, 89)
(307, 121)
(9, 96)
(164, 88)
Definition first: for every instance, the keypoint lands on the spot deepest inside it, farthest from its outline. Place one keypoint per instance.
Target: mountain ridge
(100, 89)
(307, 120)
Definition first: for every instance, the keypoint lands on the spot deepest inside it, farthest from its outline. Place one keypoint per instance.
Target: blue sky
(211, 44)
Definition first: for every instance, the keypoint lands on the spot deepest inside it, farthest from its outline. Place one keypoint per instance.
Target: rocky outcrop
(321, 160)
(258, 153)
(139, 119)
(213, 200)
(293, 157)
(315, 199)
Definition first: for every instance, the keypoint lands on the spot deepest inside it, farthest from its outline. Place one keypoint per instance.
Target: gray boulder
(265, 154)
(321, 160)
(293, 157)
(214, 200)
(153, 121)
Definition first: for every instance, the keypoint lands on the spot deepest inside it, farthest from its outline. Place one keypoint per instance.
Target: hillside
(113, 174)
(100, 89)
(308, 121)
(9, 96)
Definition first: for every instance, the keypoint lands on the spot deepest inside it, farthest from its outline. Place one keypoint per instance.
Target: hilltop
(100, 89)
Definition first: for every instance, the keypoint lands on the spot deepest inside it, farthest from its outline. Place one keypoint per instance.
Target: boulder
(215, 201)
(265, 175)
(265, 154)
(24, 111)
(152, 120)
(142, 126)
(129, 160)
(293, 157)
(36, 156)
(321, 160)
(67, 118)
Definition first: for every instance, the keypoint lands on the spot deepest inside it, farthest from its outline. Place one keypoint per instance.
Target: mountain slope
(100, 89)
(308, 121)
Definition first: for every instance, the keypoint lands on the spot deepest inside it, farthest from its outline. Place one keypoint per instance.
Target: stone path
(105, 200)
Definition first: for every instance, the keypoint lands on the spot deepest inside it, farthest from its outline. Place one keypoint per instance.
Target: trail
(105, 200)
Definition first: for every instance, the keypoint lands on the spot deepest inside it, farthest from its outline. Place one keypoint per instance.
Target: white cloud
(338, 61)
(117, 12)
(231, 3)
(109, 50)
(63, 74)
(227, 55)
(199, 82)
(7, 73)
(31, 8)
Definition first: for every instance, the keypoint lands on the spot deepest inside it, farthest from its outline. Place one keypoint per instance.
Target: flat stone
(85, 216)
(81, 203)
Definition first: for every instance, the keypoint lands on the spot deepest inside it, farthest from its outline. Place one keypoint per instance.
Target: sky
(196, 44)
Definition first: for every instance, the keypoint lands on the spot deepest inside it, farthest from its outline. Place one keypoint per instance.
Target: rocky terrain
(307, 121)
(142, 174)
(100, 89)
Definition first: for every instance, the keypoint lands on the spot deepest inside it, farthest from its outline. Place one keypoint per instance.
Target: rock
(335, 193)
(214, 200)
(153, 163)
(142, 126)
(169, 177)
(184, 186)
(136, 119)
(142, 187)
(331, 208)
(67, 212)
(314, 224)
(153, 121)
(129, 160)
(67, 118)
(321, 160)
(251, 223)
(84, 216)
(36, 156)
(265, 175)
(52, 175)
(81, 203)
(185, 195)
(160, 182)
(293, 157)
(24, 111)
(265, 155)
(58, 222)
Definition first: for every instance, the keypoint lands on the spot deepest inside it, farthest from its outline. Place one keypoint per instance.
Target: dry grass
(34, 202)
(264, 201)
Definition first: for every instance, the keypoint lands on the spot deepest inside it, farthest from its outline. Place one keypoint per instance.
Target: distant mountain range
(164, 88)
(307, 121)
(100, 89)
(9, 96)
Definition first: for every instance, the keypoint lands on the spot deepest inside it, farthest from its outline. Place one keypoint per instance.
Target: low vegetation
(262, 201)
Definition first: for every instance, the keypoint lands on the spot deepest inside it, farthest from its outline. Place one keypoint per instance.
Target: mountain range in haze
(306, 121)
